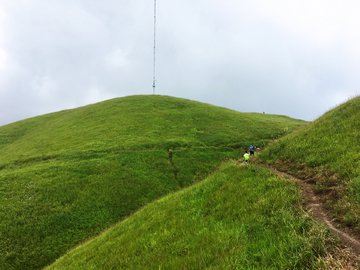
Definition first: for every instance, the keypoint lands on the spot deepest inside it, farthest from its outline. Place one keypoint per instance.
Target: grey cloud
(236, 54)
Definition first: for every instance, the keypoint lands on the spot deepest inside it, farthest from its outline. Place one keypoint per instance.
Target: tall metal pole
(154, 46)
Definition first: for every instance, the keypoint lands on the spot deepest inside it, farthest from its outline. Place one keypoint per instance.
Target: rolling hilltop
(137, 123)
(67, 176)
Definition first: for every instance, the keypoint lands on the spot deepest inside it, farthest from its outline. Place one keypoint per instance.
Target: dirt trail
(349, 239)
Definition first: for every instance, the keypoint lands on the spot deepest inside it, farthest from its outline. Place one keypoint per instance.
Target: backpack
(251, 148)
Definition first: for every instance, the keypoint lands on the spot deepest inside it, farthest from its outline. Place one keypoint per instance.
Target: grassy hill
(67, 176)
(137, 123)
(238, 218)
(326, 152)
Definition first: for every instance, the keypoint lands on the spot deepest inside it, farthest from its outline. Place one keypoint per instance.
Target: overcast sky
(292, 57)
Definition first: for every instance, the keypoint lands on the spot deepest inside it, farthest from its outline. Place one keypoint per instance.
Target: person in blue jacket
(252, 149)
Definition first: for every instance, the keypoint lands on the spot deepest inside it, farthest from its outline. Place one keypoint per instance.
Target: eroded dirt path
(314, 206)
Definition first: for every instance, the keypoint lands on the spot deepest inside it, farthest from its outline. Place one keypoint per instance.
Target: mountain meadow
(157, 182)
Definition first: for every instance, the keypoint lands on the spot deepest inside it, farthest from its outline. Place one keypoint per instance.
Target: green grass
(53, 205)
(238, 218)
(137, 122)
(67, 176)
(327, 152)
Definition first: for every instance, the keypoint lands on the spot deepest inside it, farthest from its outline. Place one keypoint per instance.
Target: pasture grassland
(326, 152)
(238, 218)
(136, 122)
(191, 164)
(67, 176)
(51, 206)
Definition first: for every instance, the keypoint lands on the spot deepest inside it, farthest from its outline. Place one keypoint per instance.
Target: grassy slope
(327, 152)
(240, 217)
(136, 122)
(66, 176)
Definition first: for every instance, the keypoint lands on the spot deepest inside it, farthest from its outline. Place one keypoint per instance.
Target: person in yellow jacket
(246, 157)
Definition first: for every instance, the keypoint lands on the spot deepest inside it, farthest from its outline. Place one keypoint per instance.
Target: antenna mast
(154, 47)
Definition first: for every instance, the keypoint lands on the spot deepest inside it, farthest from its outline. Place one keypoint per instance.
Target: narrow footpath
(314, 206)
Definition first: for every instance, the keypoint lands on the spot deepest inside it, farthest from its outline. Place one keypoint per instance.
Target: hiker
(252, 149)
(246, 157)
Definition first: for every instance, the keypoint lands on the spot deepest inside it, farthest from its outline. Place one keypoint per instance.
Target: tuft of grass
(326, 153)
(240, 217)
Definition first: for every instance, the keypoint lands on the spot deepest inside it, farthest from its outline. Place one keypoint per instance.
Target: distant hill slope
(327, 153)
(66, 176)
(137, 122)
